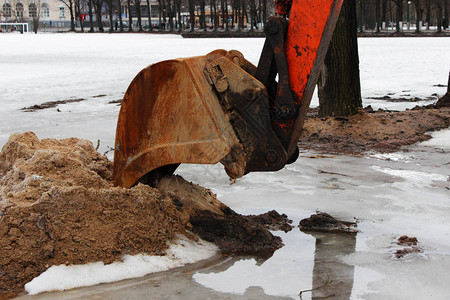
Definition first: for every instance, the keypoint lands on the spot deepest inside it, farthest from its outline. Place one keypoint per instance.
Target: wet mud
(58, 206)
(50, 104)
(323, 222)
(368, 130)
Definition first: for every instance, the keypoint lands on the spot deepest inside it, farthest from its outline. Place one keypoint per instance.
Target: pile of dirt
(58, 206)
(384, 131)
(323, 222)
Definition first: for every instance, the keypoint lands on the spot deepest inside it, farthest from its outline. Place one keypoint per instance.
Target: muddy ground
(58, 206)
(383, 131)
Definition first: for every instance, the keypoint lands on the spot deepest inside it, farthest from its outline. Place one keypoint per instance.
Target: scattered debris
(402, 99)
(411, 242)
(118, 101)
(323, 222)
(404, 251)
(332, 173)
(272, 220)
(50, 104)
(406, 240)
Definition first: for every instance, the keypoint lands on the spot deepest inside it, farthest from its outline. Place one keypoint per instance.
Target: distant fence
(10, 27)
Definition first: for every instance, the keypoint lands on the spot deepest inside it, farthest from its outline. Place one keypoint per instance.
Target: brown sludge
(323, 222)
(58, 206)
(383, 131)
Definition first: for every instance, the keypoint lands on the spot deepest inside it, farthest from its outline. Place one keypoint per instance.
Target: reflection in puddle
(308, 266)
(332, 279)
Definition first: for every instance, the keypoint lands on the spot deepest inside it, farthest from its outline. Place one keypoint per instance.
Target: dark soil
(272, 220)
(323, 222)
(368, 130)
(234, 233)
(50, 104)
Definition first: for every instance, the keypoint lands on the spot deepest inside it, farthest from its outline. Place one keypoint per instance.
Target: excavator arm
(221, 108)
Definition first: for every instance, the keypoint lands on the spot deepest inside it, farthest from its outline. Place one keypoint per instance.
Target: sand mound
(58, 206)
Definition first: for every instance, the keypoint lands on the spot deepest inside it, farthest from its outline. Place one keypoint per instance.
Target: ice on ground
(440, 139)
(417, 178)
(183, 251)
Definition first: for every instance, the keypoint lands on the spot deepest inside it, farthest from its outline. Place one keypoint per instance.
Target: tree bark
(91, 22)
(98, 10)
(130, 18)
(120, 16)
(377, 14)
(192, 15)
(418, 14)
(78, 13)
(339, 83)
(149, 16)
(137, 5)
(110, 12)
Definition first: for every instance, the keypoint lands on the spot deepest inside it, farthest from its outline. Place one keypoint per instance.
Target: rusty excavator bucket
(172, 113)
(220, 107)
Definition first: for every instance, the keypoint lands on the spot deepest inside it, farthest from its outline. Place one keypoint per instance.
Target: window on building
(7, 10)
(45, 11)
(19, 10)
(32, 10)
(61, 12)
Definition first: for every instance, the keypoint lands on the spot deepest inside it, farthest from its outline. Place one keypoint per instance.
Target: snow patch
(183, 251)
(440, 139)
(416, 178)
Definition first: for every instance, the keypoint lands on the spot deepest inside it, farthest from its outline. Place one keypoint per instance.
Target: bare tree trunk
(361, 15)
(161, 8)
(446, 6)
(191, 15)
(164, 14)
(225, 12)
(264, 11)
(180, 25)
(137, 7)
(78, 13)
(377, 14)
(70, 6)
(171, 13)
(418, 14)
(339, 83)
(149, 16)
(439, 14)
(98, 11)
(399, 14)
(202, 15)
(91, 22)
(110, 11)
(72, 16)
(428, 15)
(216, 17)
(130, 18)
(120, 16)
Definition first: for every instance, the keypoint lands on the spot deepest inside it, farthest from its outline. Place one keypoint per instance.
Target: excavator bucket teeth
(170, 115)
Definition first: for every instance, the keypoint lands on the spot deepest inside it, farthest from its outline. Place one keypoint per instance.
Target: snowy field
(388, 195)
